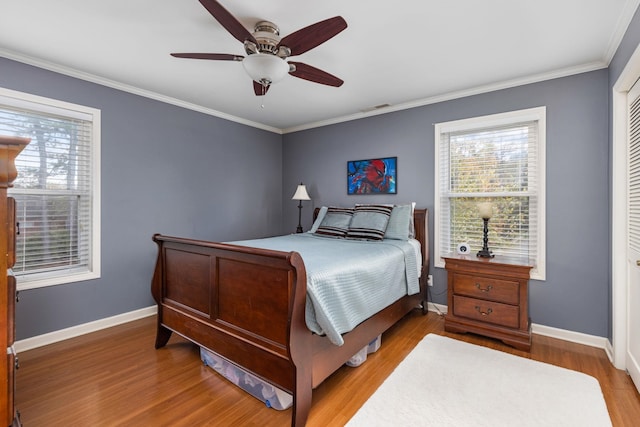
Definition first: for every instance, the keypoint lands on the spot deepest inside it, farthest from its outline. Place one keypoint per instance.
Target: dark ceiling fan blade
(313, 74)
(213, 56)
(259, 89)
(314, 35)
(228, 21)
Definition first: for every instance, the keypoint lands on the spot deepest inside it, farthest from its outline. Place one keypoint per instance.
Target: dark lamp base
(485, 253)
(299, 229)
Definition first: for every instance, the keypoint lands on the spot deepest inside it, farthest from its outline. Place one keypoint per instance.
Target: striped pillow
(335, 222)
(369, 222)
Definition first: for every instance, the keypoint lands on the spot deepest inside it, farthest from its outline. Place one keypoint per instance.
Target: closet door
(633, 237)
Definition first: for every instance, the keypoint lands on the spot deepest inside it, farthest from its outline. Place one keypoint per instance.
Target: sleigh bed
(249, 305)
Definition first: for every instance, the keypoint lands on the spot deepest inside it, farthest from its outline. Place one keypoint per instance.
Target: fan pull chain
(264, 94)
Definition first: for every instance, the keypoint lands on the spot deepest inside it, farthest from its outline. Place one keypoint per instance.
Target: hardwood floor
(115, 377)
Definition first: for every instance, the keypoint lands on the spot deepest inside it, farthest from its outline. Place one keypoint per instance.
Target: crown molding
(387, 109)
(455, 95)
(50, 66)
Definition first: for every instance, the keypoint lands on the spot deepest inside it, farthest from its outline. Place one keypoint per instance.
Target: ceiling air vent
(377, 107)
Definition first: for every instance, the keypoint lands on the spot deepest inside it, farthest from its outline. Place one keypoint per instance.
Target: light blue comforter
(348, 281)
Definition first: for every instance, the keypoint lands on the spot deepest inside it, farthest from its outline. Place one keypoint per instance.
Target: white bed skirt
(272, 396)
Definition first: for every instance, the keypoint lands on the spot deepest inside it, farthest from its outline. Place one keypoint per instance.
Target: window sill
(43, 282)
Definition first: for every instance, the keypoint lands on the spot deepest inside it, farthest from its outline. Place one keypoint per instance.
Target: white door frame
(619, 279)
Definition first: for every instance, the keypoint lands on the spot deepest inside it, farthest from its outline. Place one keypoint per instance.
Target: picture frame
(372, 176)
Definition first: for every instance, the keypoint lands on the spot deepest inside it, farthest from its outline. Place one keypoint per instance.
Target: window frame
(537, 114)
(10, 98)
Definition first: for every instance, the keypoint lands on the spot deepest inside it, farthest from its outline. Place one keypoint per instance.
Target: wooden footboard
(248, 305)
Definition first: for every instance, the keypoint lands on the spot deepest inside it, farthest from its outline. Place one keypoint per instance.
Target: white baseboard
(75, 331)
(562, 334)
(576, 337)
(437, 308)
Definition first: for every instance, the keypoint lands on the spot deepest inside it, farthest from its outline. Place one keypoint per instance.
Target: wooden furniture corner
(490, 297)
(10, 147)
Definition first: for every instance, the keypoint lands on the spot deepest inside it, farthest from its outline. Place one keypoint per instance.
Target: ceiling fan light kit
(266, 60)
(265, 68)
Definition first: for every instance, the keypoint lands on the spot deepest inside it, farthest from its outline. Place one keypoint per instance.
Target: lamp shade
(301, 193)
(485, 209)
(265, 68)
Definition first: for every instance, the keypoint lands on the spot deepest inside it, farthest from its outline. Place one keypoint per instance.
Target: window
(57, 190)
(497, 159)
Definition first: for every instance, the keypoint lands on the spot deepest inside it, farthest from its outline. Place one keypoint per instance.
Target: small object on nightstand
(464, 249)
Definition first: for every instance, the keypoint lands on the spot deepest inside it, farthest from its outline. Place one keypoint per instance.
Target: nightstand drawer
(487, 288)
(486, 311)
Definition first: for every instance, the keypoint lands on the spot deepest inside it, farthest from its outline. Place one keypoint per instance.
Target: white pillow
(412, 229)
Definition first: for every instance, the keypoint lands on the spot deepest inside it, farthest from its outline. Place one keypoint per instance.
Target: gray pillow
(399, 227)
(335, 222)
(321, 213)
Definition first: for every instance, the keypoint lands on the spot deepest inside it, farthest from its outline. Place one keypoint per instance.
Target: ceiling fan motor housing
(267, 34)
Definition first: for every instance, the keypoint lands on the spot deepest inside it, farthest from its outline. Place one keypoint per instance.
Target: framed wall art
(372, 176)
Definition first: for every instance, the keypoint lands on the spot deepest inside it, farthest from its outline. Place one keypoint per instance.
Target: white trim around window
(89, 245)
(444, 235)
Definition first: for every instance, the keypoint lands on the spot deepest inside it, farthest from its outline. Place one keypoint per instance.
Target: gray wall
(170, 170)
(164, 170)
(626, 48)
(575, 293)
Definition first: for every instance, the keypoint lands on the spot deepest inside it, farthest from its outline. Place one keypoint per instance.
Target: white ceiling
(403, 53)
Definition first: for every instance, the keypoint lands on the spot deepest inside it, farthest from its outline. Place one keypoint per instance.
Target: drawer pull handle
(484, 313)
(487, 289)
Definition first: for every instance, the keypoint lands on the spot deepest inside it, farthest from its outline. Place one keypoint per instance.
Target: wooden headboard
(421, 226)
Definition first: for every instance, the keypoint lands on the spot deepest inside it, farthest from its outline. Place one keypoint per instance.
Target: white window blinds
(54, 192)
(496, 160)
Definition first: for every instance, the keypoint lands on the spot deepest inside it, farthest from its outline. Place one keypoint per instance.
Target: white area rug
(445, 382)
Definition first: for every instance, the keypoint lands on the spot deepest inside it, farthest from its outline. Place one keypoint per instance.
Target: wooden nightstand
(489, 296)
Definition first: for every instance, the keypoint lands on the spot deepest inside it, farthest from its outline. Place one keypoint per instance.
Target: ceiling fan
(267, 53)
